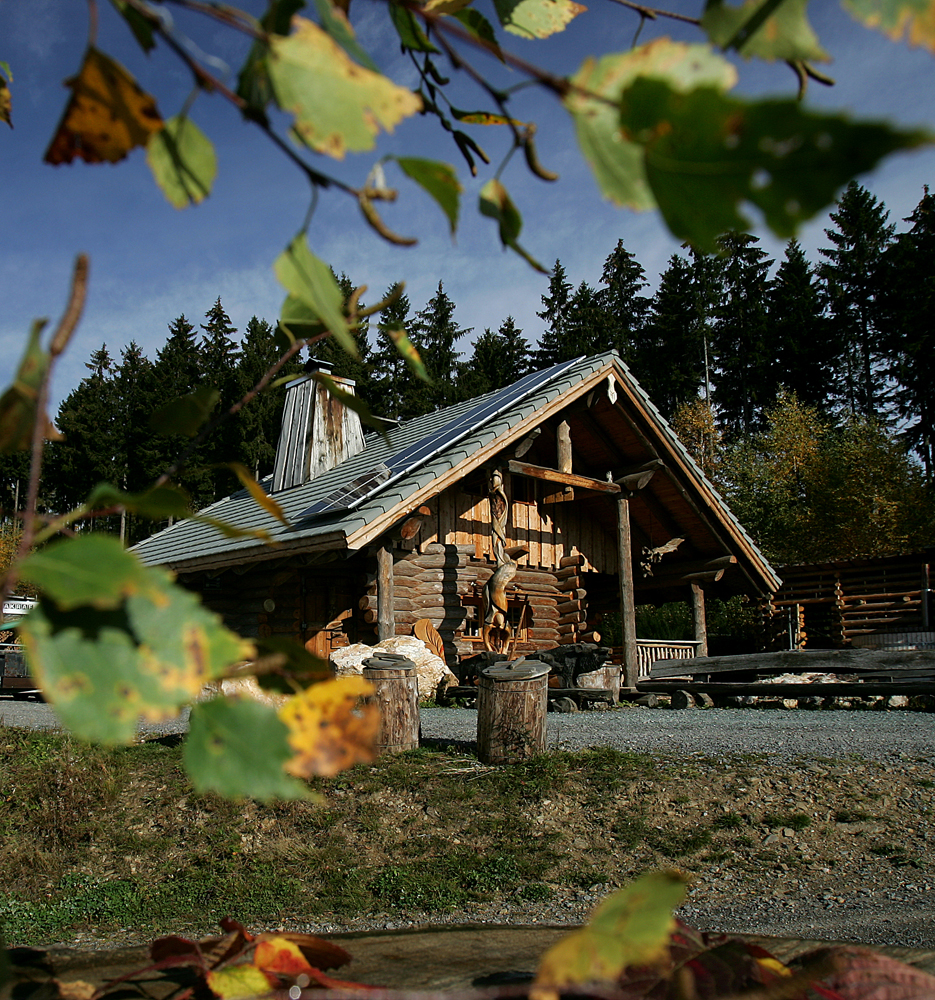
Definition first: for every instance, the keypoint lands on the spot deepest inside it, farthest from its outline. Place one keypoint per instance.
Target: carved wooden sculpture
(496, 631)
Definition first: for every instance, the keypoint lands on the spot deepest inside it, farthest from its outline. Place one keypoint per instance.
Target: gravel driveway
(895, 908)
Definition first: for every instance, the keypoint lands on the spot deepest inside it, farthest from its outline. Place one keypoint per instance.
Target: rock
(431, 670)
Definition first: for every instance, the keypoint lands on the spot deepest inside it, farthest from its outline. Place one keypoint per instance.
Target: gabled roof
(640, 433)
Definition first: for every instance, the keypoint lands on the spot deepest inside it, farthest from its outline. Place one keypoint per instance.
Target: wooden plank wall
(858, 598)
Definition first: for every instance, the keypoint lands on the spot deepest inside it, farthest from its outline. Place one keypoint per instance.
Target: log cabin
(570, 475)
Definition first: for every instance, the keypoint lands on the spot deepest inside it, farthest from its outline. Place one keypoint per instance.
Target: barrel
(397, 693)
(511, 706)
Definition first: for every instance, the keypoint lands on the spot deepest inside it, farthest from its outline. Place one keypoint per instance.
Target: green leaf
(19, 405)
(183, 163)
(912, 19)
(754, 29)
(495, 203)
(438, 180)
(238, 748)
(477, 25)
(156, 504)
(146, 658)
(260, 496)
(335, 22)
(186, 414)
(706, 153)
(617, 163)
(142, 28)
(408, 352)
(92, 570)
(409, 30)
(631, 927)
(314, 295)
(253, 83)
(351, 401)
(309, 64)
(536, 18)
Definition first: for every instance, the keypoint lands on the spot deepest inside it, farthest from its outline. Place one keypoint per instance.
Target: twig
(66, 328)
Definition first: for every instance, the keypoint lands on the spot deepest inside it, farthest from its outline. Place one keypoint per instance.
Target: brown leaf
(317, 951)
(864, 974)
(107, 116)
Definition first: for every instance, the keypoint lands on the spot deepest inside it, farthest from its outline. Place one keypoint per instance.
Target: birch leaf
(330, 729)
(107, 115)
(759, 28)
(910, 19)
(337, 104)
(183, 162)
(617, 162)
(439, 180)
(536, 18)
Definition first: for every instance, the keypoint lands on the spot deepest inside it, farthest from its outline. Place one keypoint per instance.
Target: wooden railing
(650, 650)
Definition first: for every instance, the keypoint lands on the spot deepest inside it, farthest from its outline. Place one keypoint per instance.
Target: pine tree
(852, 274)
(803, 348)
(483, 371)
(623, 303)
(744, 376)
(669, 361)
(908, 307)
(555, 307)
(219, 356)
(361, 369)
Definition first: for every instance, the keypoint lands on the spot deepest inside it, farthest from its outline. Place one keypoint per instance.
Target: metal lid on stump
(388, 661)
(516, 670)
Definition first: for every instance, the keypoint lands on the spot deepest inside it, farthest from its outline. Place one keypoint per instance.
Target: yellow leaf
(338, 104)
(237, 982)
(330, 729)
(107, 116)
(260, 496)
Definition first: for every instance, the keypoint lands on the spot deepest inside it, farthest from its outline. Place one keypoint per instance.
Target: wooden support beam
(656, 582)
(699, 623)
(386, 620)
(527, 442)
(562, 478)
(631, 668)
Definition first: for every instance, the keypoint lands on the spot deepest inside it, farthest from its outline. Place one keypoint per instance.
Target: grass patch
(795, 821)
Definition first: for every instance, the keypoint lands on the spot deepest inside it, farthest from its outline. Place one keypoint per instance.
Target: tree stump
(397, 694)
(511, 707)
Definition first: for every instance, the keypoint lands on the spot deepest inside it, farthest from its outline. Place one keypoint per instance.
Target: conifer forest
(801, 387)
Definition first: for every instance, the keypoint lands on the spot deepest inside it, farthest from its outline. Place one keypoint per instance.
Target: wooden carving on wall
(496, 631)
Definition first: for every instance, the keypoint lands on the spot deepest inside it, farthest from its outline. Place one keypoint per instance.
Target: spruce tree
(219, 356)
(669, 356)
(483, 371)
(908, 307)
(515, 358)
(554, 313)
(435, 332)
(853, 276)
(803, 346)
(588, 325)
(391, 373)
(623, 303)
(744, 373)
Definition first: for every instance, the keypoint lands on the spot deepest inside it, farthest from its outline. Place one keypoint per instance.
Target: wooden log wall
(850, 600)
(433, 583)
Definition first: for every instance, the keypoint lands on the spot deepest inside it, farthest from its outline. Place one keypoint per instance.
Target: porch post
(698, 619)
(386, 619)
(631, 668)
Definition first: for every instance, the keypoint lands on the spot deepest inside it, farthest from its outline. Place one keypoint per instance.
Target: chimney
(318, 431)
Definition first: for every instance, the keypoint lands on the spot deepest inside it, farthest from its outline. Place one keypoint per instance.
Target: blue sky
(150, 263)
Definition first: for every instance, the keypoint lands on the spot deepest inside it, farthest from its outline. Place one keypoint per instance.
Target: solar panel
(410, 458)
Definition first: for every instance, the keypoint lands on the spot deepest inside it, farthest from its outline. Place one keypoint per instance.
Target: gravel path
(892, 906)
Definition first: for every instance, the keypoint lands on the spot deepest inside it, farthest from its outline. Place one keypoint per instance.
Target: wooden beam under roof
(563, 478)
